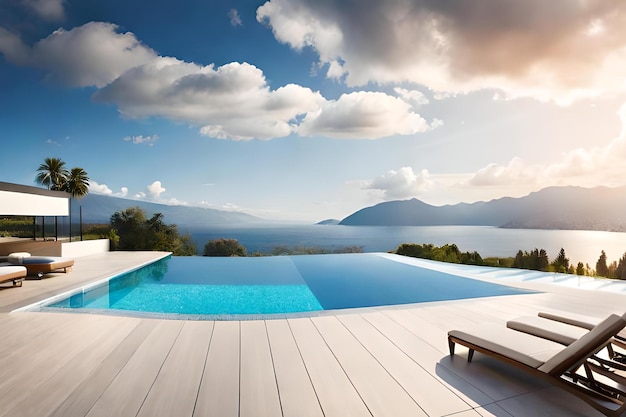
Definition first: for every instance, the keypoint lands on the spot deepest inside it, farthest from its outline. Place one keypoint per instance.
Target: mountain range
(566, 208)
(98, 209)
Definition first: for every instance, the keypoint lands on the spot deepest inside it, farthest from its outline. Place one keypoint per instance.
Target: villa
(376, 361)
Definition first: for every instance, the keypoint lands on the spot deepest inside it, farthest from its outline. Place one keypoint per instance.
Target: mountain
(329, 221)
(566, 208)
(99, 208)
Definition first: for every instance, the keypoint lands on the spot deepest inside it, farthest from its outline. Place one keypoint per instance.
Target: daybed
(551, 361)
(39, 265)
(16, 274)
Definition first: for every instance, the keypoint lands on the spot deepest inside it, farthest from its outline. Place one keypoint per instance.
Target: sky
(305, 110)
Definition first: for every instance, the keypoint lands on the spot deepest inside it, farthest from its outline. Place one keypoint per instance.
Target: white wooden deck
(372, 362)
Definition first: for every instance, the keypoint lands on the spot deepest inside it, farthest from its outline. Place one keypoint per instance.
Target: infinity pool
(274, 285)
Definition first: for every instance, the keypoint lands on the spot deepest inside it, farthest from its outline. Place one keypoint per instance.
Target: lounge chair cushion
(33, 260)
(16, 258)
(578, 320)
(9, 273)
(589, 343)
(520, 347)
(562, 333)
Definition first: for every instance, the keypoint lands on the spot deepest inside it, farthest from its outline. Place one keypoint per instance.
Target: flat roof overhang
(23, 200)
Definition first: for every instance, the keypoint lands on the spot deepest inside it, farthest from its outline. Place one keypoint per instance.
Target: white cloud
(235, 19)
(138, 140)
(401, 184)
(411, 96)
(515, 172)
(230, 102)
(155, 189)
(96, 188)
(359, 115)
(90, 55)
(233, 101)
(600, 165)
(559, 50)
(52, 10)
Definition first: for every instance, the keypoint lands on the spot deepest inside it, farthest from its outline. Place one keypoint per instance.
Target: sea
(579, 245)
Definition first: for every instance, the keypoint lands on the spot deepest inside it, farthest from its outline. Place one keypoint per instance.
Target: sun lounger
(15, 274)
(556, 331)
(39, 265)
(582, 321)
(551, 361)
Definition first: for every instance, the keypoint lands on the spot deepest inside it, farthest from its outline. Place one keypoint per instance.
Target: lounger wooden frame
(17, 276)
(44, 268)
(565, 375)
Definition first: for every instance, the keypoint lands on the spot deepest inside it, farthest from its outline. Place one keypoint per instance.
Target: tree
(52, 174)
(580, 269)
(561, 263)
(76, 182)
(224, 247)
(136, 232)
(602, 269)
(129, 226)
(620, 272)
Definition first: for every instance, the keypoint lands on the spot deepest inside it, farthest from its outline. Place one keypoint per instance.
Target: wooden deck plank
(487, 379)
(48, 354)
(178, 399)
(258, 389)
(118, 373)
(297, 395)
(335, 391)
(380, 392)
(425, 355)
(73, 367)
(126, 393)
(434, 397)
(218, 395)
(83, 398)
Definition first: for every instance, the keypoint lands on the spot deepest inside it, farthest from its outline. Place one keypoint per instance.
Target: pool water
(273, 285)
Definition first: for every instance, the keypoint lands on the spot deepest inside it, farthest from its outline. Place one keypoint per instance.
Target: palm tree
(77, 184)
(52, 174)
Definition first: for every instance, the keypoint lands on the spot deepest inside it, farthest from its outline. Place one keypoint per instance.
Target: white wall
(84, 248)
(24, 204)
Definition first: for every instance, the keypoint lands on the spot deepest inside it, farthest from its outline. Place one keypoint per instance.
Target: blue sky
(306, 109)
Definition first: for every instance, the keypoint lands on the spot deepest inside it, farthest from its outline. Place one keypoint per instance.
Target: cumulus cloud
(233, 101)
(52, 10)
(400, 184)
(515, 172)
(600, 165)
(103, 189)
(90, 55)
(368, 115)
(559, 50)
(155, 189)
(139, 140)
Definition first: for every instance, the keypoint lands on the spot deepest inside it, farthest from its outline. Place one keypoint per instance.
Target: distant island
(553, 208)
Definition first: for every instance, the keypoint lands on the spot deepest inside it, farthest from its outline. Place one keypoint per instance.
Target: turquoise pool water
(276, 285)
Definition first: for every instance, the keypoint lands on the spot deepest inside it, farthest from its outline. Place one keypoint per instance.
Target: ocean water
(579, 245)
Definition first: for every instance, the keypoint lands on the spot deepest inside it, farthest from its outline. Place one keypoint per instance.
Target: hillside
(99, 208)
(573, 208)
